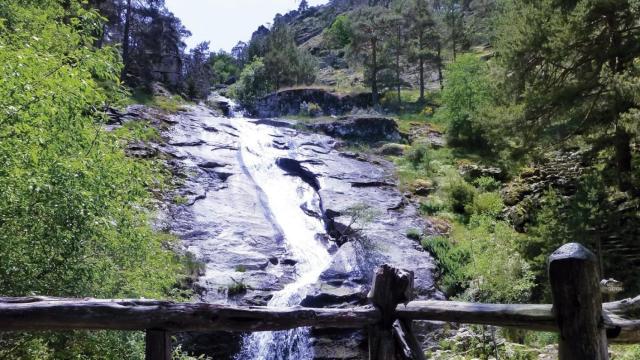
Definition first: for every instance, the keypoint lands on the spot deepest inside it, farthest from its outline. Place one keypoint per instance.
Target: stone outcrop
(290, 102)
(362, 128)
(219, 213)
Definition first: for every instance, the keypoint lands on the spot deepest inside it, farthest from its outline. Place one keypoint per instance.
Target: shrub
(452, 260)
(253, 83)
(310, 109)
(417, 155)
(465, 95)
(432, 206)
(489, 204)
(339, 34)
(461, 194)
(487, 183)
(414, 234)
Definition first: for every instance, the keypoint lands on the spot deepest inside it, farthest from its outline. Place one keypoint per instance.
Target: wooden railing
(584, 323)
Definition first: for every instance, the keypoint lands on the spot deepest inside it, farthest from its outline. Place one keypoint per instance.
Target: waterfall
(286, 197)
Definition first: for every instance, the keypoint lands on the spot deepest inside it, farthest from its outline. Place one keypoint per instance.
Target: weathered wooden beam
(157, 345)
(37, 314)
(523, 316)
(408, 346)
(390, 287)
(577, 303)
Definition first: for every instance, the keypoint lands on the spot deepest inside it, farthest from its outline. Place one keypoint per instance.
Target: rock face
(227, 222)
(369, 128)
(290, 102)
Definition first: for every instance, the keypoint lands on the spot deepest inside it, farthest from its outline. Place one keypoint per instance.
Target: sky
(225, 22)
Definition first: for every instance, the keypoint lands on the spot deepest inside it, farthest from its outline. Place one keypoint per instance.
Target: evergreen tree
(424, 40)
(572, 71)
(304, 6)
(287, 64)
(198, 76)
(371, 27)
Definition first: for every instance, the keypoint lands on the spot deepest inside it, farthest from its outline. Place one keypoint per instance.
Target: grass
(171, 104)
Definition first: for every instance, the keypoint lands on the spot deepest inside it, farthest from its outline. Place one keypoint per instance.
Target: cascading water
(286, 197)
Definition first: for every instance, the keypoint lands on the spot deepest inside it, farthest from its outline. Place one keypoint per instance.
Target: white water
(284, 194)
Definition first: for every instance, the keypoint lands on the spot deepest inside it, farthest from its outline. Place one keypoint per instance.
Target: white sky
(225, 22)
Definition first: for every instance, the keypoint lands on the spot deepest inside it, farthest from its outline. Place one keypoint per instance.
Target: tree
(371, 27)
(452, 14)
(73, 208)
(424, 40)
(339, 34)
(304, 6)
(571, 70)
(253, 82)
(466, 93)
(198, 76)
(225, 67)
(287, 64)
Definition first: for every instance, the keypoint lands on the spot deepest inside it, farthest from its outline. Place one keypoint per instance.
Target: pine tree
(572, 67)
(424, 40)
(304, 6)
(371, 27)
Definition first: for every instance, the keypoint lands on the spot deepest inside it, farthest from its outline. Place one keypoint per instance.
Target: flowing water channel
(286, 196)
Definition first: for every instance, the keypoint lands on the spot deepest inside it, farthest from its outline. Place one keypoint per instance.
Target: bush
(73, 208)
(432, 206)
(461, 194)
(487, 183)
(465, 95)
(452, 260)
(414, 234)
(310, 109)
(489, 204)
(339, 34)
(253, 83)
(417, 155)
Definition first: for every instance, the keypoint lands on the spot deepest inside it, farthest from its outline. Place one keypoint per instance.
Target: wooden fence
(585, 324)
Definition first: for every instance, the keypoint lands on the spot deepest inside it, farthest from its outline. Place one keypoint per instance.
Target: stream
(256, 203)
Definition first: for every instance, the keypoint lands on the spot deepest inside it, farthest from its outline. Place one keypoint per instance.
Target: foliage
(414, 234)
(417, 155)
(465, 94)
(567, 68)
(72, 206)
(286, 64)
(371, 27)
(198, 76)
(339, 34)
(461, 194)
(487, 183)
(451, 260)
(225, 67)
(486, 203)
(253, 83)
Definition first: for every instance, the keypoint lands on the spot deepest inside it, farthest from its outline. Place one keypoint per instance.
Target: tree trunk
(125, 40)
(398, 81)
(421, 80)
(622, 143)
(440, 77)
(374, 73)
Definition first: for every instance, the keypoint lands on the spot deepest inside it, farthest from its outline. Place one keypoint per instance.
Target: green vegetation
(74, 218)
(339, 34)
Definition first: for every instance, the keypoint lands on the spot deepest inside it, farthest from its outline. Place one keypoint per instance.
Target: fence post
(577, 303)
(390, 288)
(157, 345)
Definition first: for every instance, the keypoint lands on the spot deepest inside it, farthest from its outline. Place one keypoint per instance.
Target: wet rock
(140, 149)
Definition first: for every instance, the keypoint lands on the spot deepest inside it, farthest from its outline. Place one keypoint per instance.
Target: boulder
(291, 102)
(392, 149)
(364, 128)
